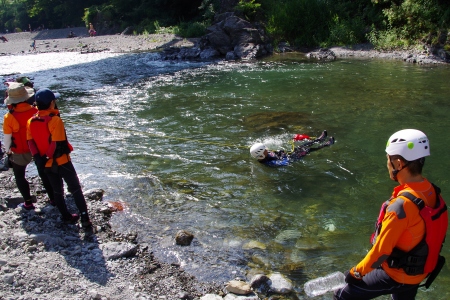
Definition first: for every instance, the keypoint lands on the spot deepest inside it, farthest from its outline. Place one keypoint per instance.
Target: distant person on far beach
(92, 31)
(33, 45)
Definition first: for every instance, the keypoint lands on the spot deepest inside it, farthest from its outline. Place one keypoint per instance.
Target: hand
(40, 161)
(350, 279)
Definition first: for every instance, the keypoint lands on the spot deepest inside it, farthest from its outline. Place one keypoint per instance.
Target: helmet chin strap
(395, 172)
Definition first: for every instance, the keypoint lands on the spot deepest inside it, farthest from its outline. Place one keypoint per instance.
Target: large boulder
(230, 37)
(233, 34)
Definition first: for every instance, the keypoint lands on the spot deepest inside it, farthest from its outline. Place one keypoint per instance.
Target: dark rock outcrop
(230, 37)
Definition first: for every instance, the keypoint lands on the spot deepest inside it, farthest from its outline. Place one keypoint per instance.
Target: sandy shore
(56, 40)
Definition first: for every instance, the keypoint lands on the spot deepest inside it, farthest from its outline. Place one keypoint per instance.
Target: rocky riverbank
(56, 40)
(41, 257)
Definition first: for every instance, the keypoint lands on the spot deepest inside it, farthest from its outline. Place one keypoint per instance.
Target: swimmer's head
(257, 151)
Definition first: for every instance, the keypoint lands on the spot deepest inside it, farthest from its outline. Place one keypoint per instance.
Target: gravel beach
(56, 40)
(41, 257)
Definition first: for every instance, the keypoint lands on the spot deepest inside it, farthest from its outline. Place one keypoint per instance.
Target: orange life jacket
(40, 132)
(42, 137)
(422, 259)
(19, 139)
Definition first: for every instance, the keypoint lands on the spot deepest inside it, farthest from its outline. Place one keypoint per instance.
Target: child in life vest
(48, 144)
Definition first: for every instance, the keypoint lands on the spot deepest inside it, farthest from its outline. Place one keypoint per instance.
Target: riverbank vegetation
(387, 24)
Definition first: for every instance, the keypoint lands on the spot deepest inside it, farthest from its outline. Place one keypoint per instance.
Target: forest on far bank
(387, 24)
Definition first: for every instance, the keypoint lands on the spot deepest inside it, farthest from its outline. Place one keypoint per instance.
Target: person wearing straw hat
(15, 140)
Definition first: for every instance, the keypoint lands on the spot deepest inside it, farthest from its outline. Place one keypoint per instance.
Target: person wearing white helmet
(409, 232)
(281, 158)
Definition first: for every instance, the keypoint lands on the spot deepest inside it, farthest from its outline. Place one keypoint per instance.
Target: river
(171, 140)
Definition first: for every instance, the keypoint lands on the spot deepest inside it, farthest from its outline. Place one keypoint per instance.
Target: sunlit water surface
(171, 140)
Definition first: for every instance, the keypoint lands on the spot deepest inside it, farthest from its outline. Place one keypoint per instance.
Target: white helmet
(411, 144)
(257, 150)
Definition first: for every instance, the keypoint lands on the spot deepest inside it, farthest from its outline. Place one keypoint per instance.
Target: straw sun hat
(17, 93)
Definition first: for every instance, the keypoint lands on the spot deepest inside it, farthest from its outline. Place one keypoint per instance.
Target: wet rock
(322, 55)
(94, 194)
(254, 245)
(260, 283)
(238, 287)
(280, 284)
(183, 238)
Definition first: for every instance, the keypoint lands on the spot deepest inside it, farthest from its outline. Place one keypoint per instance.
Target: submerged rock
(260, 283)
(184, 238)
(280, 284)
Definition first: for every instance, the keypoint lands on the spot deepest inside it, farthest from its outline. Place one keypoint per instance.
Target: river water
(171, 141)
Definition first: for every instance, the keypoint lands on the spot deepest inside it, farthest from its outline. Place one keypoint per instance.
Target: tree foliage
(386, 23)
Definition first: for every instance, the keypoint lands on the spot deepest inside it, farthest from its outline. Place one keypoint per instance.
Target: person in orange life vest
(15, 140)
(407, 240)
(48, 143)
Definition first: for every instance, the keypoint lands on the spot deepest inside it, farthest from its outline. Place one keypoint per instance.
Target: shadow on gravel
(79, 248)
(60, 33)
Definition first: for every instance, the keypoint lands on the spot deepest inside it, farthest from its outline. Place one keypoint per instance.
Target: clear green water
(174, 146)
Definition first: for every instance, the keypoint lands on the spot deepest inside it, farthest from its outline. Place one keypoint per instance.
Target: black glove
(350, 279)
(40, 161)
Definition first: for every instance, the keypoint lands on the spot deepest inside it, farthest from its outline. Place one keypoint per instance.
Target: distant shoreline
(55, 40)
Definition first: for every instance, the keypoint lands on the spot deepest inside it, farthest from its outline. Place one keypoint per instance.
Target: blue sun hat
(44, 97)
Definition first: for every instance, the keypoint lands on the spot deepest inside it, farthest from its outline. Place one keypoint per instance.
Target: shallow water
(171, 140)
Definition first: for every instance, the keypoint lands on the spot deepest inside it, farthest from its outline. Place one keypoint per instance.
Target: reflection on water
(171, 140)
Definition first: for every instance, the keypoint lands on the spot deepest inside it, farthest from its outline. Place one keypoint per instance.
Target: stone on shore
(238, 287)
